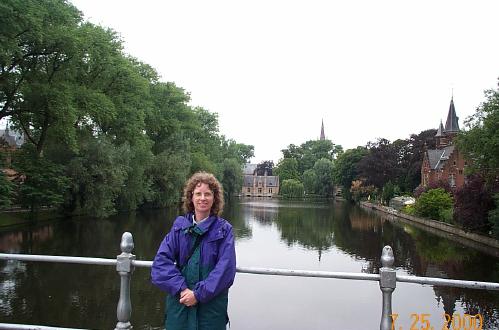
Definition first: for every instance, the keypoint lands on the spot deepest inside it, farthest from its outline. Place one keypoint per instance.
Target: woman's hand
(188, 298)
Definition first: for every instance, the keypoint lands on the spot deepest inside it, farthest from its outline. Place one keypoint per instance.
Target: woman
(196, 262)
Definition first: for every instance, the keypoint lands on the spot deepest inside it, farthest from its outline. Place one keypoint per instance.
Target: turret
(440, 136)
(452, 123)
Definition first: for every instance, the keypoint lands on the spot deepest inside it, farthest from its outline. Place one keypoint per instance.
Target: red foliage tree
(472, 204)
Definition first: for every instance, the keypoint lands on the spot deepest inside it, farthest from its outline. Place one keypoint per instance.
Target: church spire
(452, 125)
(323, 137)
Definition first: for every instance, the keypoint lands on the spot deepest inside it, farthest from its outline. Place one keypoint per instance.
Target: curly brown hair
(215, 186)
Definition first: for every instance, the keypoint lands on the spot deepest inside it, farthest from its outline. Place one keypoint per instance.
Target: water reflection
(269, 233)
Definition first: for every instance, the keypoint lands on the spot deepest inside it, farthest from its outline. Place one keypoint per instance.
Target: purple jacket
(217, 254)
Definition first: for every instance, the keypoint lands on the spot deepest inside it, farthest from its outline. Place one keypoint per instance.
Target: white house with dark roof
(258, 185)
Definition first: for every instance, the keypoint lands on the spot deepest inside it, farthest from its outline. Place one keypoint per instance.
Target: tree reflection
(234, 214)
(311, 227)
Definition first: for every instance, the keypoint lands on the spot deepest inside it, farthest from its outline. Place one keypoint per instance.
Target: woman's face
(202, 199)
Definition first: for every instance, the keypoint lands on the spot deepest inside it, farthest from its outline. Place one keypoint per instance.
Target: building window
(249, 189)
(460, 171)
(259, 190)
(270, 190)
(452, 180)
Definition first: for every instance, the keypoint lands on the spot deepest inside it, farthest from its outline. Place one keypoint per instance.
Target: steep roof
(440, 131)
(323, 137)
(272, 180)
(452, 125)
(249, 169)
(438, 157)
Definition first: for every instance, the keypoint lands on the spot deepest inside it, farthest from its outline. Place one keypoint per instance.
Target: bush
(434, 204)
(434, 185)
(409, 209)
(359, 192)
(292, 188)
(389, 191)
(446, 215)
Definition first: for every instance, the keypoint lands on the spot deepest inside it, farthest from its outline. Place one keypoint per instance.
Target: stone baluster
(124, 267)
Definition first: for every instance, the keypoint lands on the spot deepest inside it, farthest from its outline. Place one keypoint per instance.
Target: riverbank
(474, 240)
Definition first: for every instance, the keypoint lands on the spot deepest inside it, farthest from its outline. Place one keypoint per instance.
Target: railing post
(387, 283)
(125, 268)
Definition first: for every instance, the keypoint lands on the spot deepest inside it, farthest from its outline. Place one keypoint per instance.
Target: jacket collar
(200, 228)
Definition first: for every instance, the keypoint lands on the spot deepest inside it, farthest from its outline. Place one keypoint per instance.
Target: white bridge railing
(125, 264)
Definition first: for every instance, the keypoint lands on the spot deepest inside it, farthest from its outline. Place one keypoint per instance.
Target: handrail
(265, 271)
(126, 262)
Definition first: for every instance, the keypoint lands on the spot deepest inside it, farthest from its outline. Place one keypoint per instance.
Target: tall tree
(345, 166)
(323, 169)
(380, 164)
(311, 151)
(98, 118)
(480, 143)
(45, 183)
(232, 178)
(310, 181)
(287, 169)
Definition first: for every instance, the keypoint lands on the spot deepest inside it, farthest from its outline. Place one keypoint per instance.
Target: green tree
(310, 181)
(45, 183)
(37, 42)
(98, 175)
(135, 190)
(323, 169)
(345, 167)
(388, 192)
(480, 143)
(311, 151)
(292, 188)
(434, 204)
(201, 162)
(232, 178)
(100, 118)
(287, 168)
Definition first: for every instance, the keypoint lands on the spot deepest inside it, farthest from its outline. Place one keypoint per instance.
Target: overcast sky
(272, 70)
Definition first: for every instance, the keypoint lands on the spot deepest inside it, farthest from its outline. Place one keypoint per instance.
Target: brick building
(10, 141)
(445, 163)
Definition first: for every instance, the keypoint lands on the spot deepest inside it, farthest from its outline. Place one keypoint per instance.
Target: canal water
(326, 236)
